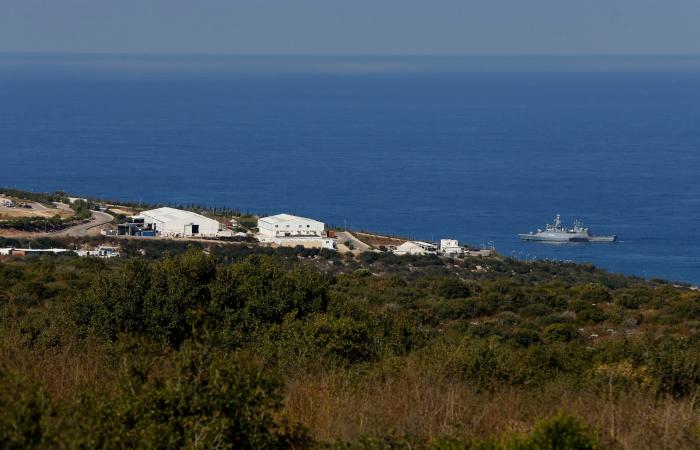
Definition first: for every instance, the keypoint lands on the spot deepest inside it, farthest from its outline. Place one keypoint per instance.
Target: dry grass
(417, 404)
(18, 213)
(60, 370)
(375, 240)
(345, 405)
(123, 210)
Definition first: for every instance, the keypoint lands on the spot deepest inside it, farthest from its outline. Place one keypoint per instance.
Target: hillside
(245, 347)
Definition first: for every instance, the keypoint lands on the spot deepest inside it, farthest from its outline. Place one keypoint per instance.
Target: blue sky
(432, 27)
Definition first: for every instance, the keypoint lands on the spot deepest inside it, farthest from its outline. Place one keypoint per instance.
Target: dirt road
(344, 236)
(86, 229)
(89, 228)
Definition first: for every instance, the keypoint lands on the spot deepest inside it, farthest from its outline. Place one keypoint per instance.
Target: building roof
(408, 245)
(280, 218)
(166, 214)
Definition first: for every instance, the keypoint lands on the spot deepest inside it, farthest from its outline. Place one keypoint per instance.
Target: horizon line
(349, 55)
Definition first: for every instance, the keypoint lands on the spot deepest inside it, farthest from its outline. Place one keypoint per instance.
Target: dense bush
(188, 348)
(24, 412)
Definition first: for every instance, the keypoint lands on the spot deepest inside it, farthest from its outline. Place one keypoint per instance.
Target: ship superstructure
(556, 232)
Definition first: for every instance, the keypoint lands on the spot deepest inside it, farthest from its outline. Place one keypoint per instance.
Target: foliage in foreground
(192, 350)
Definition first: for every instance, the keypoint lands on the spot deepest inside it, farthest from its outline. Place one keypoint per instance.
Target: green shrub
(535, 310)
(561, 432)
(594, 293)
(452, 288)
(211, 400)
(591, 315)
(560, 332)
(342, 338)
(25, 409)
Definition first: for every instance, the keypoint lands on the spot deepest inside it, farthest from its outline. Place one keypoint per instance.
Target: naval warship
(556, 232)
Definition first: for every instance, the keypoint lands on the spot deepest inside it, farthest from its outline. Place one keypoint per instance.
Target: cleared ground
(122, 210)
(36, 210)
(376, 240)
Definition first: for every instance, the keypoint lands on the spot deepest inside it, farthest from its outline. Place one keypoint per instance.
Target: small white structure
(450, 247)
(287, 225)
(416, 248)
(177, 222)
(5, 251)
(328, 243)
(72, 200)
(100, 252)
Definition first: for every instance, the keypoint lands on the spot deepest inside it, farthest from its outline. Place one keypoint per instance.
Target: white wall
(207, 227)
(297, 226)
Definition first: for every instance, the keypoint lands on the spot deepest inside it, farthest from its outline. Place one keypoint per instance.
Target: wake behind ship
(556, 232)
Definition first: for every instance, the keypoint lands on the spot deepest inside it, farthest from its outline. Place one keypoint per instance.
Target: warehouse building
(176, 222)
(286, 225)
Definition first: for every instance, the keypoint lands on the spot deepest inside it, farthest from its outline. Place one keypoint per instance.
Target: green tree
(25, 409)
(561, 432)
(210, 400)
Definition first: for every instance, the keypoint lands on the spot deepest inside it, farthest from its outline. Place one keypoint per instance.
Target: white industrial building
(176, 222)
(287, 225)
(416, 248)
(450, 247)
(289, 231)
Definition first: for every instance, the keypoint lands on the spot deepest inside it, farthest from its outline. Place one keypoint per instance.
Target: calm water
(475, 152)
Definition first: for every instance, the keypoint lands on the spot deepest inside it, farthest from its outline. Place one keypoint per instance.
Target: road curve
(344, 236)
(97, 219)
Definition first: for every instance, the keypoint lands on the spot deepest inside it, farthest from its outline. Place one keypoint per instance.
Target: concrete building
(176, 222)
(416, 248)
(450, 247)
(287, 226)
(328, 243)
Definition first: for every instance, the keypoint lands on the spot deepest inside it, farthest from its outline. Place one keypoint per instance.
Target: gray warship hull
(556, 233)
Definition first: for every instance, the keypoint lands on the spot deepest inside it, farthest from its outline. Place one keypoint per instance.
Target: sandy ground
(37, 210)
(122, 210)
(376, 240)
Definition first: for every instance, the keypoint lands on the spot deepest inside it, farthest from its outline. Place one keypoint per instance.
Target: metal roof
(166, 214)
(417, 244)
(279, 218)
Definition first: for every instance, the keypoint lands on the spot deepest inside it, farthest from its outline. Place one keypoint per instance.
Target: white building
(416, 248)
(450, 247)
(288, 226)
(328, 243)
(100, 252)
(176, 222)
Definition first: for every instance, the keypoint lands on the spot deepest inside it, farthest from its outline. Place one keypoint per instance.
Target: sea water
(475, 149)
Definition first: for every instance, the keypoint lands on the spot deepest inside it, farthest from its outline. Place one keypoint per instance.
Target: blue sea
(474, 148)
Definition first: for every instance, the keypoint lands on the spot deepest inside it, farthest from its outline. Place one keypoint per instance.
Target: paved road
(84, 229)
(347, 236)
